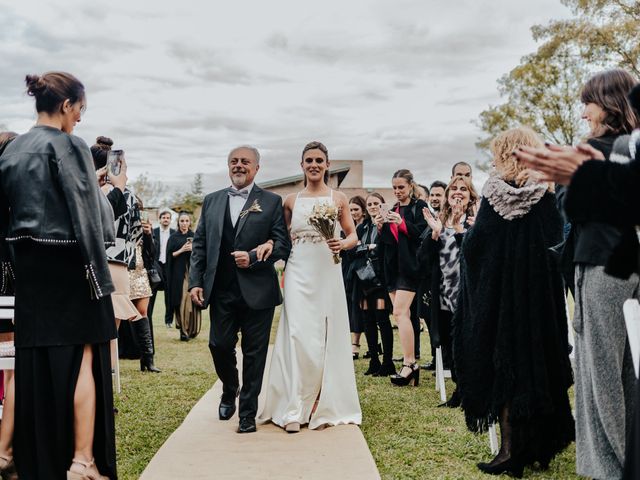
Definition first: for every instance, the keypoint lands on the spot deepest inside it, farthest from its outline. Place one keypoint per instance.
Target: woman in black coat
(400, 231)
(370, 292)
(616, 203)
(511, 349)
(188, 316)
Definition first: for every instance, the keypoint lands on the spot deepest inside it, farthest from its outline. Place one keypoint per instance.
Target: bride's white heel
(293, 427)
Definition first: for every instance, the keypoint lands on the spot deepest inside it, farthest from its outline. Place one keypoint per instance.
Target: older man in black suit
(240, 235)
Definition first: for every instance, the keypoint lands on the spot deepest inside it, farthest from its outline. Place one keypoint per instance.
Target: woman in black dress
(59, 226)
(188, 315)
(371, 293)
(511, 349)
(358, 211)
(400, 231)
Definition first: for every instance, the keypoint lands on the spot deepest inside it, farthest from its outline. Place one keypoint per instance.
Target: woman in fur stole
(510, 344)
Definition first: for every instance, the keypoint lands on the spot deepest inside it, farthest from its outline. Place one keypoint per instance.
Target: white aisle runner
(204, 447)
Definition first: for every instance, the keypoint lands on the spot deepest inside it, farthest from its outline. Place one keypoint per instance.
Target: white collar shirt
(236, 203)
(165, 233)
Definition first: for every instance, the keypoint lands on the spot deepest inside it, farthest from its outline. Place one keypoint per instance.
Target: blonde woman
(511, 349)
(439, 258)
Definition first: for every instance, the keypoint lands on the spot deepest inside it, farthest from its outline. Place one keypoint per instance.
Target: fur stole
(509, 201)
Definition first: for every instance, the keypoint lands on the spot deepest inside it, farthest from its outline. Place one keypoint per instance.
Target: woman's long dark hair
(358, 200)
(609, 90)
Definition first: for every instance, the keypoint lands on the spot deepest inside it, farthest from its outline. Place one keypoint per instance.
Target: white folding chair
(631, 309)
(441, 374)
(7, 305)
(116, 368)
(493, 439)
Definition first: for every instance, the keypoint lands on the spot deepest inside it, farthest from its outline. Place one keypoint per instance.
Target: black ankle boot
(374, 366)
(143, 334)
(386, 335)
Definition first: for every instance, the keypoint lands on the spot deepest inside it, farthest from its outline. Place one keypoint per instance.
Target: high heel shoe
(509, 466)
(146, 363)
(355, 355)
(90, 471)
(412, 379)
(8, 469)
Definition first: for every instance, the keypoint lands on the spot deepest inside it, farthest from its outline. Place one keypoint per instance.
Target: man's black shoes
(227, 406)
(247, 425)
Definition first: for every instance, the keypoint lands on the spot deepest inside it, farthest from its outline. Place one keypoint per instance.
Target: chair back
(631, 309)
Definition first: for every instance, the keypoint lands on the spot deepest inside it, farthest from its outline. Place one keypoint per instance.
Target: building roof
(298, 178)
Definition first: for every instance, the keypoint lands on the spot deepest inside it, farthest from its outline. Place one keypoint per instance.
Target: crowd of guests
(488, 274)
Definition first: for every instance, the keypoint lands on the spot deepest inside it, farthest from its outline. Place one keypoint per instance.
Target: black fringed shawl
(510, 337)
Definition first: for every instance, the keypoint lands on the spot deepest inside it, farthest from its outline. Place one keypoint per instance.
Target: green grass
(152, 406)
(409, 437)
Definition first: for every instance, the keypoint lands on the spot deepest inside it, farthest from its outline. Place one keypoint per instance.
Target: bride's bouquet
(323, 219)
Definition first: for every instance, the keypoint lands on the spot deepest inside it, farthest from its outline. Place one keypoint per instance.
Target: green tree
(543, 91)
(153, 193)
(191, 200)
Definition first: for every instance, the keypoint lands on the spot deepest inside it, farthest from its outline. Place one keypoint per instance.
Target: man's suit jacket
(156, 239)
(258, 283)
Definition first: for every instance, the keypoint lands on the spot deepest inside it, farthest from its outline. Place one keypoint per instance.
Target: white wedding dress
(312, 354)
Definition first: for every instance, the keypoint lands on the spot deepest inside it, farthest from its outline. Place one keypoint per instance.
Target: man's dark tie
(232, 192)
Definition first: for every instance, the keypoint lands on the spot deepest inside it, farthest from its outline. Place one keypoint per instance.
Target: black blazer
(258, 283)
(400, 256)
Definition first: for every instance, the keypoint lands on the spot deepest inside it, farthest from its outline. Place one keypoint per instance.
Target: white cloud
(178, 84)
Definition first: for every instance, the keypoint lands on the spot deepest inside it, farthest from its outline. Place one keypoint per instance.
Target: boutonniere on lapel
(254, 208)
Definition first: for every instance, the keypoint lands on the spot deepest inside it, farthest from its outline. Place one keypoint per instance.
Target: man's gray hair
(248, 147)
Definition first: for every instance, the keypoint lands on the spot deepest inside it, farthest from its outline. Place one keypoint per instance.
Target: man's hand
(242, 259)
(197, 296)
(146, 228)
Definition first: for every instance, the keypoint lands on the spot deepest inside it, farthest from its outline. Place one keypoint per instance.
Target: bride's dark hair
(316, 146)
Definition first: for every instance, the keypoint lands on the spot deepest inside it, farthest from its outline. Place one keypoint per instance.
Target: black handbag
(366, 272)
(154, 277)
(368, 277)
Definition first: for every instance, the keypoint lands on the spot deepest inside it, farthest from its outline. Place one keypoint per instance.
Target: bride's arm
(288, 209)
(348, 227)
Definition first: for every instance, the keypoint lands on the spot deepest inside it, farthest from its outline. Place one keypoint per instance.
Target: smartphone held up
(114, 162)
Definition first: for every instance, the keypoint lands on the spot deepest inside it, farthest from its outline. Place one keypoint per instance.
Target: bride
(311, 379)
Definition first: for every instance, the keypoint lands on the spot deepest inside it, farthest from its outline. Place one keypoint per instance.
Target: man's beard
(239, 180)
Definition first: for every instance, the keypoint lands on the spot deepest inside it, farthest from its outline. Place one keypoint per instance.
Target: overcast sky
(177, 84)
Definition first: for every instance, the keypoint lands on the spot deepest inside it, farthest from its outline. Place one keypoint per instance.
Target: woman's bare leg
(401, 300)
(84, 408)
(8, 415)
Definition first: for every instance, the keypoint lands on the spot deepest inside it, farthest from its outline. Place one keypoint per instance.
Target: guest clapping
(511, 340)
(400, 231)
(439, 256)
(188, 315)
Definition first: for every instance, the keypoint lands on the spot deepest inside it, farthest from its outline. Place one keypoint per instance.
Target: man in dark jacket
(161, 236)
(240, 235)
